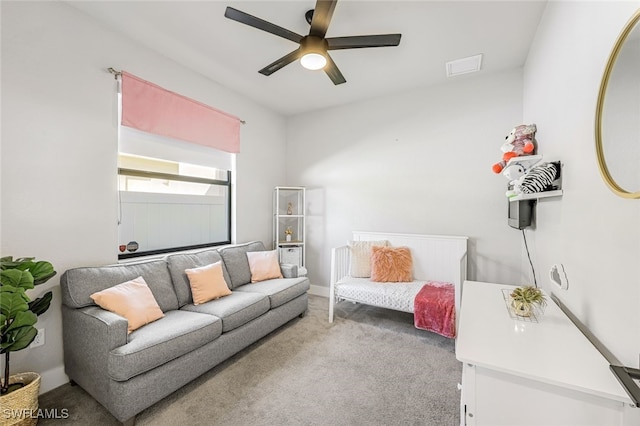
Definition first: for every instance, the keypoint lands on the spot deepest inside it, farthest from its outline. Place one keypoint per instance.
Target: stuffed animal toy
(520, 141)
(538, 179)
(519, 167)
(514, 171)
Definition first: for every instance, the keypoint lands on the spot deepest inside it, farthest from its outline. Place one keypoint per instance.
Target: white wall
(59, 149)
(413, 162)
(595, 234)
(416, 162)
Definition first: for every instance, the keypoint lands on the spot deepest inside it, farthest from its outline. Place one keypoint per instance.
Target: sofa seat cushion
(279, 290)
(235, 310)
(177, 333)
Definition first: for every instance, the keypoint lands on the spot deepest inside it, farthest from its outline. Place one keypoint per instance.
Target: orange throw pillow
(132, 300)
(391, 264)
(263, 265)
(207, 283)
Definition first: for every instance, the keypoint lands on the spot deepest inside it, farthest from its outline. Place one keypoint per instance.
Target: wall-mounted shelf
(527, 161)
(537, 195)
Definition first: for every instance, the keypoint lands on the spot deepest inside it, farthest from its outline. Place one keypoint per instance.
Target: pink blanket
(435, 308)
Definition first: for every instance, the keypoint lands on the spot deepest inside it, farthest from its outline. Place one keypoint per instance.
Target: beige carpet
(370, 367)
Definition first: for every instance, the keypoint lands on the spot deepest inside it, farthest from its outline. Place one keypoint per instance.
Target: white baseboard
(53, 378)
(318, 290)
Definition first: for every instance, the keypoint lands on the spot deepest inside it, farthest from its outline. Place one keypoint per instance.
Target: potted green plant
(523, 299)
(18, 315)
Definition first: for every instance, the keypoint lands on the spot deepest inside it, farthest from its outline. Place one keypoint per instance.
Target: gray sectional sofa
(128, 373)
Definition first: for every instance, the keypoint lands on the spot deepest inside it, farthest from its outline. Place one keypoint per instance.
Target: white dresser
(528, 373)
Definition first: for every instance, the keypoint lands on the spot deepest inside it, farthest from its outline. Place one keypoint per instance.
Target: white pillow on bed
(360, 257)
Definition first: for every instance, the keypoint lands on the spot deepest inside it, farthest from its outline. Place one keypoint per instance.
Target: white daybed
(435, 258)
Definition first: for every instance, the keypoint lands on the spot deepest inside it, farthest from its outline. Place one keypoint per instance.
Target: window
(168, 205)
(175, 164)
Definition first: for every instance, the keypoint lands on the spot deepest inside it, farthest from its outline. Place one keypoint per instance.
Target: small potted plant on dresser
(18, 315)
(524, 299)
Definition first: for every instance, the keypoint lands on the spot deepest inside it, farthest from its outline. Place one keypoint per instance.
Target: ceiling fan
(313, 50)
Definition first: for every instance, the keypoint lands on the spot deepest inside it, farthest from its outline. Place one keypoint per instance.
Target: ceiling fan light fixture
(313, 61)
(314, 56)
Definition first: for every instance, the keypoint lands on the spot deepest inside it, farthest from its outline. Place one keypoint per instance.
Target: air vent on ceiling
(464, 65)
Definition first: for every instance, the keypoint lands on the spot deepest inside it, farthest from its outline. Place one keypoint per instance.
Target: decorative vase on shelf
(288, 237)
(289, 208)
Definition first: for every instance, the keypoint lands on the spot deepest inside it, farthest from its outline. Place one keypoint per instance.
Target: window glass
(169, 206)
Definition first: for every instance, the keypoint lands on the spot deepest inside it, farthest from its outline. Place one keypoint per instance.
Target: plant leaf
(22, 263)
(16, 278)
(18, 339)
(22, 319)
(41, 304)
(5, 260)
(12, 301)
(42, 271)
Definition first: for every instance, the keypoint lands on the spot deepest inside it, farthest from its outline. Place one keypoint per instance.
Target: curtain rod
(117, 74)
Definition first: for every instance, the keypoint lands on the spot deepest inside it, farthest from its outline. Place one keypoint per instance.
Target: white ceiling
(197, 35)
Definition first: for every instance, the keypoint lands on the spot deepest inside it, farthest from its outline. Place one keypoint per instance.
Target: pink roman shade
(152, 109)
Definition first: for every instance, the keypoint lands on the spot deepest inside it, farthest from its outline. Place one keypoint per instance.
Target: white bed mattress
(396, 296)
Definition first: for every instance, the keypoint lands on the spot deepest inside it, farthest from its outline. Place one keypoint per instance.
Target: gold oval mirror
(618, 114)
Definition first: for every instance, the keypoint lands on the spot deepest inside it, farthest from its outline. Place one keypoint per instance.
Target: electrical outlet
(39, 340)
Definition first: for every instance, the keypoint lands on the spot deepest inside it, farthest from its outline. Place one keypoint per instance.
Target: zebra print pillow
(539, 178)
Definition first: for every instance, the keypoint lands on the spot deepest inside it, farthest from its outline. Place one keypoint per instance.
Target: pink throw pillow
(207, 283)
(132, 300)
(391, 264)
(263, 265)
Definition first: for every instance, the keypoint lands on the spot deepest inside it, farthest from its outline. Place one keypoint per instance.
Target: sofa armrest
(89, 334)
(289, 270)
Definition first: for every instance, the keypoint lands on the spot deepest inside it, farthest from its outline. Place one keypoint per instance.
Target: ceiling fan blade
(357, 42)
(322, 17)
(261, 24)
(281, 63)
(333, 72)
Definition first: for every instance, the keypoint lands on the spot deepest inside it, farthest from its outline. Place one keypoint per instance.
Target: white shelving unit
(289, 215)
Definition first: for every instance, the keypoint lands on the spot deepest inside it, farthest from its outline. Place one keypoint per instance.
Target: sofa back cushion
(236, 262)
(178, 263)
(77, 285)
